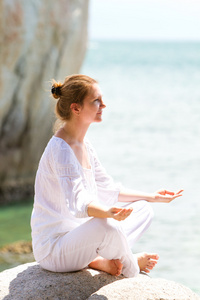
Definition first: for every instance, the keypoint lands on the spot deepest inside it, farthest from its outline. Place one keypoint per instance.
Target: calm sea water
(150, 139)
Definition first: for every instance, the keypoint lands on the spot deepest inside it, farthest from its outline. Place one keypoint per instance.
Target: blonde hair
(74, 89)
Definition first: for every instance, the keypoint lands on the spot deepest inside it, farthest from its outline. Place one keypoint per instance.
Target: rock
(19, 247)
(39, 40)
(29, 281)
(14, 254)
(143, 288)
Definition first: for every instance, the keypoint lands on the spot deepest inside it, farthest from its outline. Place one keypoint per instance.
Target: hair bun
(56, 91)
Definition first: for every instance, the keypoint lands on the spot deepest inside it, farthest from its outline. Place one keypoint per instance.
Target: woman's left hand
(166, 196)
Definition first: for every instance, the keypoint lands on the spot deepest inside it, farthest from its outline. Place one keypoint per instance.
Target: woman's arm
(99, 211)
(105, 184)
(159, 196)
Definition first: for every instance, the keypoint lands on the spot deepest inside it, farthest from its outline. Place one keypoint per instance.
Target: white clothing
(63, 190)
(64, 237)
(105, 237)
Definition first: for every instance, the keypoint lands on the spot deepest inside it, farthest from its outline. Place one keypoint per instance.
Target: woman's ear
(75, 107)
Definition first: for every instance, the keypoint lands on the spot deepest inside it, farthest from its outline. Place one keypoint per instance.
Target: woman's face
(91, 111)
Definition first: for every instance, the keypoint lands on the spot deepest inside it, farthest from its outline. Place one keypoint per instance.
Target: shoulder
(62, 154)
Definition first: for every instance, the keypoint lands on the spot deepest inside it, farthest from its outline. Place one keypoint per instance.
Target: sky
(144, 19)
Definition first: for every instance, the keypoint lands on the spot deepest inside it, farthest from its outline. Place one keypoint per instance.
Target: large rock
(144, 288)
(29, 281)
(39, 40)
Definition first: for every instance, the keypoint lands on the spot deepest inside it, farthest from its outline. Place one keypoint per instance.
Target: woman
(77, 206)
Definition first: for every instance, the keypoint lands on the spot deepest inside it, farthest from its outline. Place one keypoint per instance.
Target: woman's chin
(98, 118)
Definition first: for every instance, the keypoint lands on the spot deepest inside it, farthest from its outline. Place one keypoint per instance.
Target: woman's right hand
(98, 211)
(118, 213)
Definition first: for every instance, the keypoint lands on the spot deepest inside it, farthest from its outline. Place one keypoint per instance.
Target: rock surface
(29, 281)
(143, 288)
(39, 40)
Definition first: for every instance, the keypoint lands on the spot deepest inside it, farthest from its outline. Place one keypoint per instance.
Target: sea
(149, 139)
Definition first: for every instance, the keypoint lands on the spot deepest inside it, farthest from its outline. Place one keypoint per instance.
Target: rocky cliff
(39, 40)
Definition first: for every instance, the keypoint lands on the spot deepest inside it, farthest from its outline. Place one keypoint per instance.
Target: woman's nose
(102, 105)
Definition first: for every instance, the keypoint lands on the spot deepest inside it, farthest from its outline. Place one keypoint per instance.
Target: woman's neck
(72, 133)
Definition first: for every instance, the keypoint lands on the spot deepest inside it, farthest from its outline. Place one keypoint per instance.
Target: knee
(147, 212)
(142, 210)
(114, 231)
(109, 227)
(105, 226)
(150, 212)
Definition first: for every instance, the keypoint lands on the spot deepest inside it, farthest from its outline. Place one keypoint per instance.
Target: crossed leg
(99, 243)
(104, 244)
(134, 226)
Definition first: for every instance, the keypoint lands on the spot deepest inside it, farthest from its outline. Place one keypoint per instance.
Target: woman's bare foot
(113, 267)
(147, 261)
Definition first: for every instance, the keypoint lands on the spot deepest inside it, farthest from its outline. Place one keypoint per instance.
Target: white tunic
(63, 190)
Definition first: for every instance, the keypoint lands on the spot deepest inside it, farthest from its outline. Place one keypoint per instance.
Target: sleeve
(107, 190)
(71, 182)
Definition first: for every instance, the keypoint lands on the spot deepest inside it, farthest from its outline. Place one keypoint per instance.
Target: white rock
(29, 281)
(39, 40)
(142, 288)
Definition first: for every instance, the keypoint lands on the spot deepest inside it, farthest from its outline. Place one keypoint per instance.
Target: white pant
(108, 238)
